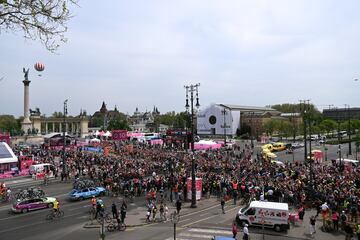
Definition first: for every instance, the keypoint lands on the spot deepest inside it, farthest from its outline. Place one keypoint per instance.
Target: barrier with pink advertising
(198, 185)
(156, 142)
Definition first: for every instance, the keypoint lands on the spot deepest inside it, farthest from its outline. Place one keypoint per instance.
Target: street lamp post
(251, 130)
(64, 138)
(193, 88)
(175, 219)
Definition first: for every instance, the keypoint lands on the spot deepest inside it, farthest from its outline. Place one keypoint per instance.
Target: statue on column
(26, 74)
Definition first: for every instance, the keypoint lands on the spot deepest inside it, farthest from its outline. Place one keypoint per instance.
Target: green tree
(271, 126)
(43, 20)
(8, 123)
(58, 114)
(327, 125)
(96, 122)
(118, 123)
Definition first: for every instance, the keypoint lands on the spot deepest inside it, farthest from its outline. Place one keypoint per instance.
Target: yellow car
(279, 146)
(268, 147)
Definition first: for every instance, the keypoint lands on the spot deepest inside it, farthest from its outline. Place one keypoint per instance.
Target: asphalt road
(34, 226)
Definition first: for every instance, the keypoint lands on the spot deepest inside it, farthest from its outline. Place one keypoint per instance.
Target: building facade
(341, 114)
(75, 126)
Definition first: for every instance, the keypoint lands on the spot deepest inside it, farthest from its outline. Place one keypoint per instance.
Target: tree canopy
(44, 20)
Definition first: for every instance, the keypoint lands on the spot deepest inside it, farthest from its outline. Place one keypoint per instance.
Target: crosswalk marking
(194, 235)
(200, 233)
(200, 230)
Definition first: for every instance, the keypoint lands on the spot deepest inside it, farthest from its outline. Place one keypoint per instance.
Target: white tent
(6, 154)
(94, 140)
(107, 134)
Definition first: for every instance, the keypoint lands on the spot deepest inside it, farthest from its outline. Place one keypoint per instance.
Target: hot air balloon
(39, 67)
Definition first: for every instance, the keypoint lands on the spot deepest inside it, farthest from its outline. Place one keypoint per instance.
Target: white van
(38, 168)
(270, 214)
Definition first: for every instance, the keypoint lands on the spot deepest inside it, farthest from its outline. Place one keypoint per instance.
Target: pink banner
(156, 142)
(119, 135)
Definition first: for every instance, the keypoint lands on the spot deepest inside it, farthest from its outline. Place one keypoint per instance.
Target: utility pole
(64, 138)
(349, 127)
(309, 122)
(303, 109)
(193, 88)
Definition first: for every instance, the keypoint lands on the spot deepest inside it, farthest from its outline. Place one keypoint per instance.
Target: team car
(26, 205)
(81, 194)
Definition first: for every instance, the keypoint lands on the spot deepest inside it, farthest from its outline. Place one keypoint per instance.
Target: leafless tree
(43, 20)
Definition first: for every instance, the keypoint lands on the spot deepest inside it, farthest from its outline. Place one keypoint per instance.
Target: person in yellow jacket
(56, 206)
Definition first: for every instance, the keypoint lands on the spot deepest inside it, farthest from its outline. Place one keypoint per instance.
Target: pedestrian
(178, 206)
(123, 211)
(335, 220)
(353, 213)
(312, 225)
(148, 214)
(114, 211)
(301, 212)
(162, 210)
(234, 229)
(343, 219)
(154, 211)
(245, 232)
(222, 205)
(166, 212)
(348, 232)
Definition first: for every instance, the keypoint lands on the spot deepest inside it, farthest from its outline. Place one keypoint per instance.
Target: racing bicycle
(53, 215)
(112, 226)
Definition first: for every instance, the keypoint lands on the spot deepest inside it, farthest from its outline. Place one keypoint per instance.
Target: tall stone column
(26, 124)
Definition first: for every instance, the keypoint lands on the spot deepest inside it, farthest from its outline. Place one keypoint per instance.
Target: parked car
(297, 145)
(81, 194)
(26, 205)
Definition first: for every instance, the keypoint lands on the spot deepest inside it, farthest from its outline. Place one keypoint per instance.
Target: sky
(141, 53)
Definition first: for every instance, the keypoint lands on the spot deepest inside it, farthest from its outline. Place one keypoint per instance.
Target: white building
(210, 121)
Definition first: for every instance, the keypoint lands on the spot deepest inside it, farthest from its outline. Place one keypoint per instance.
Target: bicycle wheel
(99, 219)
(110, 227)
(50, 216)
(107, 218)
(60, 213)
(122, 227)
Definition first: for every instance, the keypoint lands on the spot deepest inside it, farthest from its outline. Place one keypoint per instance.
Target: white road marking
(205, 236)
(184, 220)
(200, 230)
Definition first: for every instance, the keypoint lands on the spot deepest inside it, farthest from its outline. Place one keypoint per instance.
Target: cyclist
(93, 202)
(100, 207)
(56, 207)
(8, 194)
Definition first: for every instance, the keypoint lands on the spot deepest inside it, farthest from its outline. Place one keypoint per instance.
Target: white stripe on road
(196, 235)
(184, 220)
(200, 230)
(177, 238)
